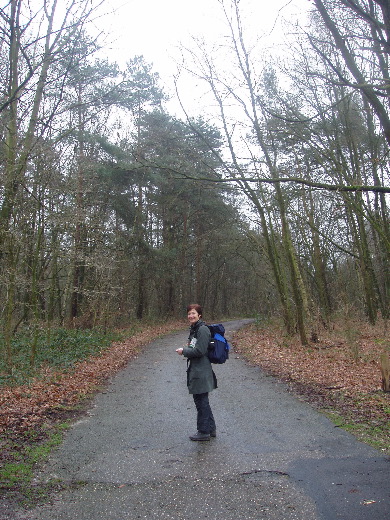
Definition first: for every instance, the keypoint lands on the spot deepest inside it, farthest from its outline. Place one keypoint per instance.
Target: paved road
(274, 458)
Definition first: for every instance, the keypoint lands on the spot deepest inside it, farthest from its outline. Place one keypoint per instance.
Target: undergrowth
(56, 348)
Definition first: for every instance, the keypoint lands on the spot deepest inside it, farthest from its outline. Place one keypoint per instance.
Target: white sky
(155, 28)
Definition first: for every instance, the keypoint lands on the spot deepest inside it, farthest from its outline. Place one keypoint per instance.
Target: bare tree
(35, 40)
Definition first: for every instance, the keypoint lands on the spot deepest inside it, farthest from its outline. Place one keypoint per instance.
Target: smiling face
(193, 316)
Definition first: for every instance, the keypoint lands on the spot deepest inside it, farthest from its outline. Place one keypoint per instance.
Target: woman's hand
(179, 351)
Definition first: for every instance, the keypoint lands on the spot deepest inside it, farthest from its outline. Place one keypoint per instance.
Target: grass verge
(22, 455)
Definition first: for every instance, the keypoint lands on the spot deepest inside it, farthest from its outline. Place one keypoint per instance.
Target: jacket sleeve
(201, 345)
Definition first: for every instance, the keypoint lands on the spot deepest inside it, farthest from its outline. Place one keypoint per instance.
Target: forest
(113, 210)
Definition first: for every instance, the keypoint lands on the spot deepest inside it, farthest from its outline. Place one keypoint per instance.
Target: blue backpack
(218, 349)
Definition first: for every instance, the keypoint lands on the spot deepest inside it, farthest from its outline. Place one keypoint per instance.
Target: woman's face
(193, 316)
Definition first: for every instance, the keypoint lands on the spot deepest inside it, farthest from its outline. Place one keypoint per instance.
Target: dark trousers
(205, 420)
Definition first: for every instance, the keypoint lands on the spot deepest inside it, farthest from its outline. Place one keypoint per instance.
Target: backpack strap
(198, 325)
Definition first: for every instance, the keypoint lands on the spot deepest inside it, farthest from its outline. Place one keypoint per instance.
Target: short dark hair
(196, 307)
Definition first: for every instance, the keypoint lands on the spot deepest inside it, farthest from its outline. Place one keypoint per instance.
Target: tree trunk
(385, 369)
(366, 89)
(359, 236)
(318, 263)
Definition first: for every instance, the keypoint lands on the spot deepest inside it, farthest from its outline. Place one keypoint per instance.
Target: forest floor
(338, 373)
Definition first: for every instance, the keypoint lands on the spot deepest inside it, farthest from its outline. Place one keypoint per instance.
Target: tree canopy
(112, 209)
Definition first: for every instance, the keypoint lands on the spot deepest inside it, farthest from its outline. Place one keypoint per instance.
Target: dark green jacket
(200, 375)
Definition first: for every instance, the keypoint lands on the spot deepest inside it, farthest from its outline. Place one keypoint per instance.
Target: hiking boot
(200, 437)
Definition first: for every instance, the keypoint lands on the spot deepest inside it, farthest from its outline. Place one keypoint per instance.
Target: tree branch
(259, 180)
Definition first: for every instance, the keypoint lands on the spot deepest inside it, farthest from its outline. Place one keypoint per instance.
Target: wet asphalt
(274, 458)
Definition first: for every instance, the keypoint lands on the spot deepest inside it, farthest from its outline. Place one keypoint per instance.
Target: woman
(200, 376)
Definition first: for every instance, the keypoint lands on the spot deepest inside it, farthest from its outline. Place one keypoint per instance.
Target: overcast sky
(155, 28)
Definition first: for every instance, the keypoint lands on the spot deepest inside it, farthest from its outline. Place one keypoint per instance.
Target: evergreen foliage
(112, 210)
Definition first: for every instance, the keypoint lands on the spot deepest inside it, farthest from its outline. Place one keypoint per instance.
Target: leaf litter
(338, 375)
(334, 373)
